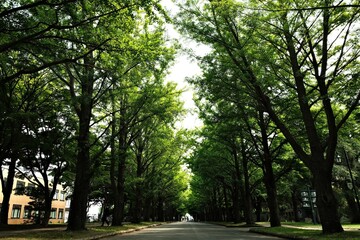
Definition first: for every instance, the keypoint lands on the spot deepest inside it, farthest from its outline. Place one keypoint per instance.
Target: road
(192, 231)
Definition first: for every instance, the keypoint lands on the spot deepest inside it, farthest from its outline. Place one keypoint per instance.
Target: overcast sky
(184, 67)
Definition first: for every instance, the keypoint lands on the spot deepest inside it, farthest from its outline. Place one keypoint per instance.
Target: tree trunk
(137, 205)
(147, 207)
(354, 212)
(272, 200)
(138, 187)
(77, 215)
(117, 166)
(118, 187)
(258, 209)
(4, 215)
(160, 209)
(269, 179)
(113, 164)
(295, 206)
(326, 201)
(248, 209)
(47, 210)
(236, 201)
(237, 187)
(118, 180)
(78, 207)
(227, 215)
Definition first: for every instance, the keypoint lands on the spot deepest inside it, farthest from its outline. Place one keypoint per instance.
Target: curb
(121, 232)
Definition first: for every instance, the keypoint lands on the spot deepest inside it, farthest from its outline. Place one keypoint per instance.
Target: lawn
(310, 231)
(61, 233)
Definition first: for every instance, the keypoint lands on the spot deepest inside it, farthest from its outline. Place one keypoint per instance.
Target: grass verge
(93, 232)
(309, 231)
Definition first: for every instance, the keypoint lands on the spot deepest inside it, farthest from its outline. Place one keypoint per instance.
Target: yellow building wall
(18, 203)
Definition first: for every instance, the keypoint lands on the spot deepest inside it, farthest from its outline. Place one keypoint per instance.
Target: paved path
(192, 231)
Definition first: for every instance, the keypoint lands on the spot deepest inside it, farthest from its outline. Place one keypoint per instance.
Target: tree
(45, 158)
(89, 82)
(153, 144)
(24, 105)
(296, 57)
(217, 163)
(89, 46)
(230, 106)
(38, 35)
(138, 98)
(346, 169)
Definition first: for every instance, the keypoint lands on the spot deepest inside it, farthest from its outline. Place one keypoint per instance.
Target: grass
(288, 230)
(310, 231)
(61, 233)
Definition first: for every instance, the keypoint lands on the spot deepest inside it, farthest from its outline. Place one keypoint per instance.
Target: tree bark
(77, 215)
(118, 184)
(269, 178)
(227, 214)
(4, 215)
(78, 207)
(160, 209)
(248, 210)
(294, 201)
(8, 151)
(272, 199)
(47, 209)
(147, 209)
(354, 212)
(326, 201)
(236, 182)
(138, 190)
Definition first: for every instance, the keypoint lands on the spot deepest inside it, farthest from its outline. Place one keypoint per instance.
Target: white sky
(184, 67)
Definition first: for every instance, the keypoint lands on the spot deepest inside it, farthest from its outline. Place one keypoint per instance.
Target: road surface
(192, 231)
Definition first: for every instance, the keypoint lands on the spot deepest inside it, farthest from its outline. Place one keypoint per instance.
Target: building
(20, 211)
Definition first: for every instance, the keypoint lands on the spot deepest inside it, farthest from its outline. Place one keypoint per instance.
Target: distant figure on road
(105, 217)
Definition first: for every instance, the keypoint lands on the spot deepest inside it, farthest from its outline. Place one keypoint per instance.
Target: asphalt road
(192, 231)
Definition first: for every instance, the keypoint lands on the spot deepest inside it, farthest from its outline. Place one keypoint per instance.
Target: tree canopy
(85, 102)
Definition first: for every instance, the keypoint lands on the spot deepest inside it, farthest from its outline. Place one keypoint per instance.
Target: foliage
(288, 58)
(63, 64)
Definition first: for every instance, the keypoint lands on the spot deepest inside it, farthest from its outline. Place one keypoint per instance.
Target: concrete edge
(122, 232)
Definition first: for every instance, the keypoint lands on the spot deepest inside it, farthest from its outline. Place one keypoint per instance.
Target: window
(62, 196)
(16, 210)
(53, 213)
(67, 203)
(56, 195)
(27, 212)
(30, 189)
(20, 187)
(61, 214)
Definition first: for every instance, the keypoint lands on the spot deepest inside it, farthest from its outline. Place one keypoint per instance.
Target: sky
(184, 67)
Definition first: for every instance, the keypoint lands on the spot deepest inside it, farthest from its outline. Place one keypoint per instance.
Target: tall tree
(25, 106)
(138, 97)
(303, 53)
(89, 82)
